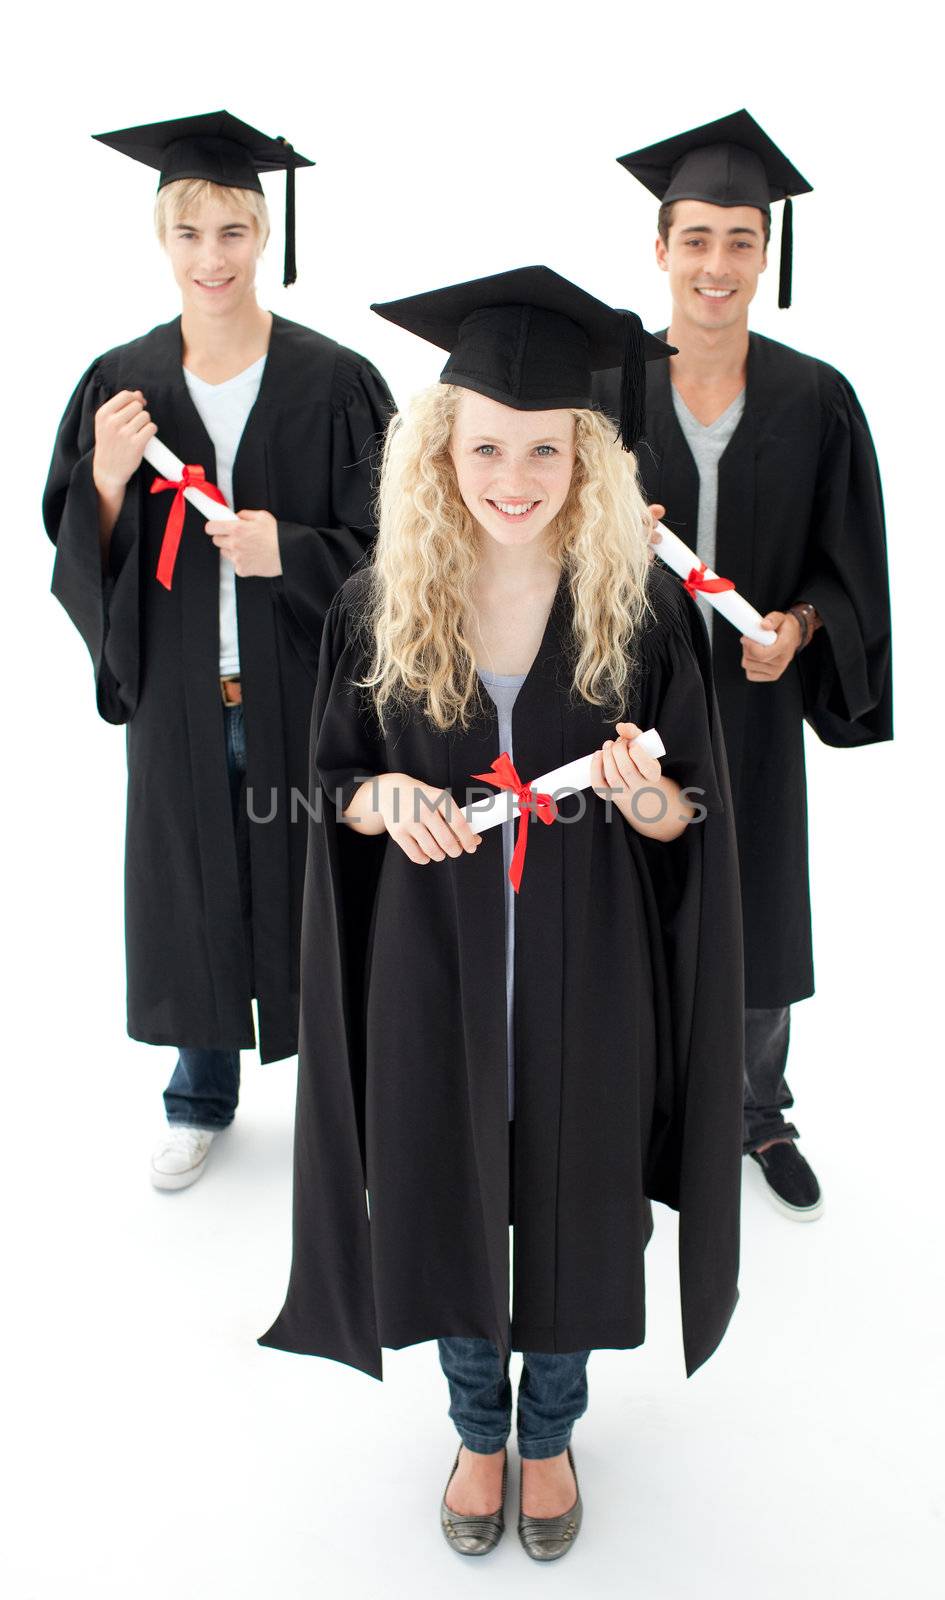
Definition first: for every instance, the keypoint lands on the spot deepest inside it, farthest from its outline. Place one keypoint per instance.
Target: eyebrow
(192, 226)
(545, 438)
(704, 228)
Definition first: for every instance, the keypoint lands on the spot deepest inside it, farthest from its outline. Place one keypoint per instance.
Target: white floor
(149, 1450)
(154, 1450)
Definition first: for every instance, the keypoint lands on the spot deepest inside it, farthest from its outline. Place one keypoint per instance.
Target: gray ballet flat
(547, 1538)
(472, 1535)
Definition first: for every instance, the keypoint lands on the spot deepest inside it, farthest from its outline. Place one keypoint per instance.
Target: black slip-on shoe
(790, 1180)
(472, 1535)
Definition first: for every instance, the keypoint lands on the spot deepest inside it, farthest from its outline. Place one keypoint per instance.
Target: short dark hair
(665, 221)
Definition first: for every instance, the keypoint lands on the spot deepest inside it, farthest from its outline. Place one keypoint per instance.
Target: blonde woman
(540, 1023)
(208, 648)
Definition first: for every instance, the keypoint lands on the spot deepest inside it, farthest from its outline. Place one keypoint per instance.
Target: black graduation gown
(800, 517)
(628, 1032)
(304, 456)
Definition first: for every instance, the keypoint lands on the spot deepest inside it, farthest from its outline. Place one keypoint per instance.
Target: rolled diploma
(495, 808)
(733, 606)
(167, 465)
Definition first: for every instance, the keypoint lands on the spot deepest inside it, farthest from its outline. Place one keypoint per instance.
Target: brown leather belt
(232, 691)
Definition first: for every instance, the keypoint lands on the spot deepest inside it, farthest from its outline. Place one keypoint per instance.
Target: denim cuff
(541, 1449)
(185, 1119)
(482, 1444)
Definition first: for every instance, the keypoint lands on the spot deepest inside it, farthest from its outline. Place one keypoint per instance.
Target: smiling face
(214, 246)
(714, 256)
(513, 467)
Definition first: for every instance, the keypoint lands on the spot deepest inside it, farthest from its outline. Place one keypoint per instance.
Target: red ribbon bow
(698, 583)
(502, 775)
(190, 478)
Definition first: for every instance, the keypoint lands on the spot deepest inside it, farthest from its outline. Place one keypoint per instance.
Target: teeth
(212, 283)
(514, 511)
(716, 294)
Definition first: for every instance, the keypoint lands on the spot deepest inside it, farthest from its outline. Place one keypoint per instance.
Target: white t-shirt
(224, 409)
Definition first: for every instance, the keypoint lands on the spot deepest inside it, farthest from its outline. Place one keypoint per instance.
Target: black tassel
(787, 256)
(289, 273)
(632, 383)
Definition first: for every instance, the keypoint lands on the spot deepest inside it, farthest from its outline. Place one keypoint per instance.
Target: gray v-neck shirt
(502, 689)
(707, 443)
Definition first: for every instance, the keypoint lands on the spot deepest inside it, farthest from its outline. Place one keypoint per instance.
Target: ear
(764, 260)
(662, 254)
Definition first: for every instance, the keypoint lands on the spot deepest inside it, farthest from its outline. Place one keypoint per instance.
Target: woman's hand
(616, 766)
(250, 540)
(621, 774)
(424, 834)
(405, 808)
(122, 429)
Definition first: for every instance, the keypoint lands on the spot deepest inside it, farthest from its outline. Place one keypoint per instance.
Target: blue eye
(480, 447)
(549, 447)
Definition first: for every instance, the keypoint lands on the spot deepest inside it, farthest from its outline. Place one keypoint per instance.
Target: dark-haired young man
(764, 460)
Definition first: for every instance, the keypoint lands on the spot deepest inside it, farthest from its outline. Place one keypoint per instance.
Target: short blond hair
(174, 199)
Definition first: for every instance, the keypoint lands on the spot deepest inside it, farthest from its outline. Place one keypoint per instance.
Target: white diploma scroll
(167, 465)
(503, 805)
(730, 604)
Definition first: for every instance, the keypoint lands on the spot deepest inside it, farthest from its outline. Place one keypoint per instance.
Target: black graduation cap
(221, 149)
(730, 162)
(531, 339)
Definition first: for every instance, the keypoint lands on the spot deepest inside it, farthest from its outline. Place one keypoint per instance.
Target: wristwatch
(805, 614)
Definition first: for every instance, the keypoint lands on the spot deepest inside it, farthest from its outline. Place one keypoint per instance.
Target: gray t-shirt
(707, 443)
(503, 690)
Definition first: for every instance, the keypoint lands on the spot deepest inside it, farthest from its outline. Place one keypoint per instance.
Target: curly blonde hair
(419, 599)
(174, 200)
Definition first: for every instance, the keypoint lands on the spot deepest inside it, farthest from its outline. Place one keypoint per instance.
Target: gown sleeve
(695, 1162)
(846, 669)
(317, 560)
(329, 1307)
(103, 603)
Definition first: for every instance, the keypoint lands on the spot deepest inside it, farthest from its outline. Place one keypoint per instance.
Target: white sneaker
(180, 1157)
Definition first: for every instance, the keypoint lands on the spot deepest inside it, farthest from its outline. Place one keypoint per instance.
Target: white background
(151, 1449)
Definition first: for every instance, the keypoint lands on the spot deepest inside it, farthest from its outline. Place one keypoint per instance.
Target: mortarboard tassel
(787, 255)
(289, 273)
(632, 383)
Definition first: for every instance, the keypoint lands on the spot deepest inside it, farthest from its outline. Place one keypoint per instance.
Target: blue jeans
(205, 1085)
(767, 1096)
(204, 1088)
(552, 1394)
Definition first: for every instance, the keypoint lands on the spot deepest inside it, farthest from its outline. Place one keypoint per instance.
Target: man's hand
(764, 663)
(657, 513)
(250, 541)
(122, 429)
